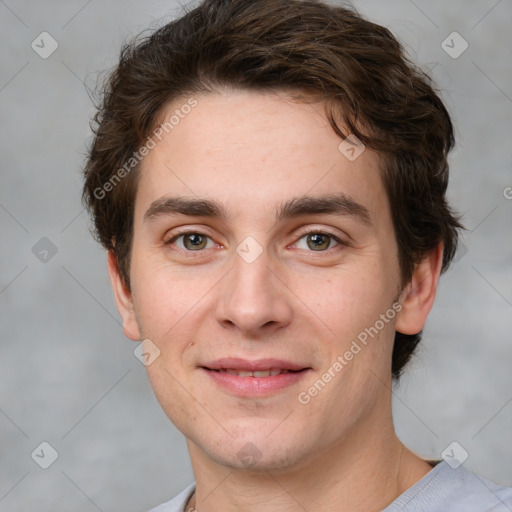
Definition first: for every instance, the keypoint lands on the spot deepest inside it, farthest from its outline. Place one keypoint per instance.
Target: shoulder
(445, 489)
(177, 504)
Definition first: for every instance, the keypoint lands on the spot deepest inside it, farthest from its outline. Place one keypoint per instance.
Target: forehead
(252, 150)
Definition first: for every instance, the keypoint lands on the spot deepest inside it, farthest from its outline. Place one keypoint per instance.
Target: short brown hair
(310, 50)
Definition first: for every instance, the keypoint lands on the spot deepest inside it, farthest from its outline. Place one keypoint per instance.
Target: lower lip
(255, 386)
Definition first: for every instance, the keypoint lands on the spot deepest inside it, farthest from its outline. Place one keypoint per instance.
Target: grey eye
(192, 241)
(318, 241)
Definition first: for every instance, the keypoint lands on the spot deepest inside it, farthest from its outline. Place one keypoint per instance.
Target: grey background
(69, 377)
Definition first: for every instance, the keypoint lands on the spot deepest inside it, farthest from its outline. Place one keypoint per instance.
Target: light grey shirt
(442, 489)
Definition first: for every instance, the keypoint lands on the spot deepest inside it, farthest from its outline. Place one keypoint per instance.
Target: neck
(366, 471)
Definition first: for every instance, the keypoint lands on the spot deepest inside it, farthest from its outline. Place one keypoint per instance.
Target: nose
(254, 298)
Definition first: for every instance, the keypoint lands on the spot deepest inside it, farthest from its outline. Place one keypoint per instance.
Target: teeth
(259, 373)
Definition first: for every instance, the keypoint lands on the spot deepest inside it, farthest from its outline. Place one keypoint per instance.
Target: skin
(250, 152)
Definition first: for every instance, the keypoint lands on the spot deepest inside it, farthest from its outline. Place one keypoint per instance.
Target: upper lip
(235, 363)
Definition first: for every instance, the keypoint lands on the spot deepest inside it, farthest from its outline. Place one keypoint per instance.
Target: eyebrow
(339, 204)
(184, 206)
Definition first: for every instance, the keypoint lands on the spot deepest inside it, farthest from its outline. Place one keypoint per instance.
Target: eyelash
(325, 233)
(302, 235)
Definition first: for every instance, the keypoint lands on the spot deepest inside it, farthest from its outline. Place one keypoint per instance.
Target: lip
(236, 363)
(254, 386)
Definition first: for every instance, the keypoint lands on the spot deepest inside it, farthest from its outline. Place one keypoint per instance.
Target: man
(269, 181)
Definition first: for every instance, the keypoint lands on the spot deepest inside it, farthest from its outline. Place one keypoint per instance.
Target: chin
(250, 458)
(256, 451)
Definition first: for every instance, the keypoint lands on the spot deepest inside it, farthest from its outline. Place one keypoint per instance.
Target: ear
(123, 299)
(417, 298)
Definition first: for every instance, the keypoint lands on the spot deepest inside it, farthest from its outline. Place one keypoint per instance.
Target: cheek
(159, 300)
(348, 301)
(169, 305)
(173, 394)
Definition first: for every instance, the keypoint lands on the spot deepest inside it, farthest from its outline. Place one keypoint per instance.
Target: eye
(191, 241)
(318, 241)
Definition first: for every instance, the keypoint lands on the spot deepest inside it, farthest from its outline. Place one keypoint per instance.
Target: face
(278, 256)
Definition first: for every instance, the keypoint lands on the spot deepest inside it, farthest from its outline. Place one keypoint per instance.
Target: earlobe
(418, 296)
(123, 298)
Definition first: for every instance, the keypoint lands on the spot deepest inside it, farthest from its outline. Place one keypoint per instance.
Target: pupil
(195, 240)
(319, 241)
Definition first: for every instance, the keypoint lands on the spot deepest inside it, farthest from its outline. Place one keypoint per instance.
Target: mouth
(271, 372)
(254, 378)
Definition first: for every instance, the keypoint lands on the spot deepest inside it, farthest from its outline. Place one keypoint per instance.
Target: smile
(272, 372)
(254, 378)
